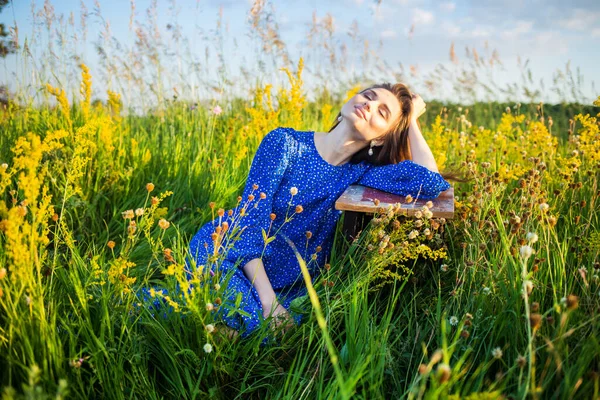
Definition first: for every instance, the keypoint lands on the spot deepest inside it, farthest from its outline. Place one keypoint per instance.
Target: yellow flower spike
(86, 90)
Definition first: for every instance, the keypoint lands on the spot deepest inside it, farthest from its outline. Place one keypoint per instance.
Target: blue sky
(415, 33)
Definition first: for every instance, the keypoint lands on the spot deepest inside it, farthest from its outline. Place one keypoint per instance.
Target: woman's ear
(377, 142)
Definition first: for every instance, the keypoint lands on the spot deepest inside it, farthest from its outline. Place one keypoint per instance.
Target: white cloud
(451, 28)
(448, 6)
(521, 28)
(481, 31)
(552, 39)
(596, 32)
(388, 33)
(422, 17)
(580, 20)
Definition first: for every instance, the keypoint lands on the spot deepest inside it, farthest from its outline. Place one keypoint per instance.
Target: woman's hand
(281, 317)
(419, 106)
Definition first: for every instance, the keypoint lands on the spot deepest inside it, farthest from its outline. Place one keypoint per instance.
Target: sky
(415, 33)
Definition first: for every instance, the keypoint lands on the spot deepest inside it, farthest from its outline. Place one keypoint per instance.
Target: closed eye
(379, 109)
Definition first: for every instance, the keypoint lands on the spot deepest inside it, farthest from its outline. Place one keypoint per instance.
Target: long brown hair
(395, 147)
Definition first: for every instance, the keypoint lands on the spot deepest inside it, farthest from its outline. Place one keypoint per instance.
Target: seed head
(443, 372)
(497, 353)
(207, 348)
(127, 214)
(163, 223)
(293, 190)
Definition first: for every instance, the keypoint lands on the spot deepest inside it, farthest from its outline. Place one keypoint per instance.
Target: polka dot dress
(286, 159)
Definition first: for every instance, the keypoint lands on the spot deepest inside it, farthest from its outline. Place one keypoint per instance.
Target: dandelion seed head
(208, 348)
(526, 251)
(453, 320)
(532, 237)
(293, 190)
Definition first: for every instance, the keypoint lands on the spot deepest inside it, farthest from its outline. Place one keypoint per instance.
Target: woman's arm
(419, 149)
(420, 152)
(256, 274)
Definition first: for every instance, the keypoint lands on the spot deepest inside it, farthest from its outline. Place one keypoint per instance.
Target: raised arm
(419, 149)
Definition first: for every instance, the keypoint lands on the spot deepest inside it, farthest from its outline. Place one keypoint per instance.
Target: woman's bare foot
(227, 332)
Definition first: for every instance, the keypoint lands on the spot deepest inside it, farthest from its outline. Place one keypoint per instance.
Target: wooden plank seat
(359, 204)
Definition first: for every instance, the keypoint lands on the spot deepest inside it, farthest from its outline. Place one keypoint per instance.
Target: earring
(371, 149)
(339, 118)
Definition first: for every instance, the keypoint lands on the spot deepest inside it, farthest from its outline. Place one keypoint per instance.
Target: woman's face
(372, 112)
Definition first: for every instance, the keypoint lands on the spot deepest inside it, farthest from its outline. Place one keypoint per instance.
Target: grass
(388, 320)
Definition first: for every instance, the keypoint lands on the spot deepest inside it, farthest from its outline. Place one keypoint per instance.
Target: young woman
(374, 142)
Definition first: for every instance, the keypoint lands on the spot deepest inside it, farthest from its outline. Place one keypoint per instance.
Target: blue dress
(288, 158)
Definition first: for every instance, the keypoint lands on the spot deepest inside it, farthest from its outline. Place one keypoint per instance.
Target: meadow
(98, 202)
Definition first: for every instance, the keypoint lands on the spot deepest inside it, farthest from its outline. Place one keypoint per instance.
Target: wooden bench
(358, 203)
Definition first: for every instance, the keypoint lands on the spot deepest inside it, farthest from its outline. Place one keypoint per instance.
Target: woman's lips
(360, 113)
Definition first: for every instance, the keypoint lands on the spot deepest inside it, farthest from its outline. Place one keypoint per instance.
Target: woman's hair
(395, 147)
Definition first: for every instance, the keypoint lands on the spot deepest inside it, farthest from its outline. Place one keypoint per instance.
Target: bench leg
(354, 222)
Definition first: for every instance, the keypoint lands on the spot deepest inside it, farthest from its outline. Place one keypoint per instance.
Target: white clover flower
(293, 190)
(210, 307)
(497, 353)
(139, 212)
(426, 232)
(486, 290)
(453, 320)
(544, 207)
(4, 165)
(207, 348)
(444, 267)
(210, 328)
(428, 214)
(418, 214)
(526, 251)
(532, 237)
(413, 234)
(429, 204)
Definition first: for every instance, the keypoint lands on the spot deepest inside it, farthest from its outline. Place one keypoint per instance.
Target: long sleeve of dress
(268, 166)
(403, 178)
